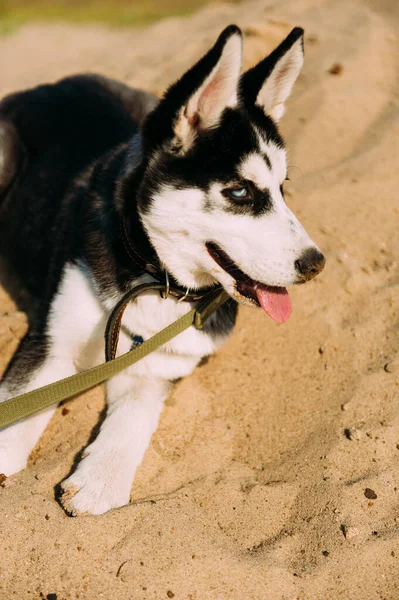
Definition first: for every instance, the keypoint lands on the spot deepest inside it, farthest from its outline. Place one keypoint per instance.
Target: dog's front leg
(104, 476)
(33, 366)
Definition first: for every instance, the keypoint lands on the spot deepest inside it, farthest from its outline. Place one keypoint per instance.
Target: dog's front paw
(94, 488)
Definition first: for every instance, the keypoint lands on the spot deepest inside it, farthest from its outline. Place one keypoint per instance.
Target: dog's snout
(310, 264)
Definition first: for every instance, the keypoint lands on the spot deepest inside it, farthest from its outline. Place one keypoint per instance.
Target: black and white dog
(99, 186)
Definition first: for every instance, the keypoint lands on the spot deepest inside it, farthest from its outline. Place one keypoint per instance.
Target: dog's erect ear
(270, 82)
(217, 85)
(196, 102)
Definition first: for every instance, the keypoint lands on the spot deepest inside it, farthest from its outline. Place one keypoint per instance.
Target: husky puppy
(102, 187)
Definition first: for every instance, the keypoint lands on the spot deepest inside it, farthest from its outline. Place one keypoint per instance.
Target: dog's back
(48, 135)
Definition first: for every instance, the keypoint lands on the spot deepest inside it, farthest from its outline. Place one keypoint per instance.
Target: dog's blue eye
(239, 193)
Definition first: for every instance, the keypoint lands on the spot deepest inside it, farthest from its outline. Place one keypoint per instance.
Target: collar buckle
(185, 296)
(165, 293)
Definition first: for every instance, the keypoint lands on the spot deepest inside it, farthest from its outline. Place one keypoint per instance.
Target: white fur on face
(277, 157)
(253, 168)
(265, 247)
(176, 230)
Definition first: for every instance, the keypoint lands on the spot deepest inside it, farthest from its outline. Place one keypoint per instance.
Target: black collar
(145, 258)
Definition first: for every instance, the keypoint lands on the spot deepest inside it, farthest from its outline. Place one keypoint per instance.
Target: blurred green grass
(14, 13)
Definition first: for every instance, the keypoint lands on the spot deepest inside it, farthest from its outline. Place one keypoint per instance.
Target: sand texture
(254, 486)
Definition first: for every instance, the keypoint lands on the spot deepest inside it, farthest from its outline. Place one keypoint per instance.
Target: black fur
(83, 167)
(62, 129)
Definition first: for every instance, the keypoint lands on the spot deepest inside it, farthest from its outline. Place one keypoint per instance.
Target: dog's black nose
(310, 264)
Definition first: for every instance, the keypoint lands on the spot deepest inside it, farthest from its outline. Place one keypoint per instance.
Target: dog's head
(211, 198)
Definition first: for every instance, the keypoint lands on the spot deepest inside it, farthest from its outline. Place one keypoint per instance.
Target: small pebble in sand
(336, 69)
(325, 230)
(252, 32)
(349, 531)
(325, 553)
(352, 433)
(170, 594)
(392, 367)
(2, 479)
(313, 38)
(370, 494)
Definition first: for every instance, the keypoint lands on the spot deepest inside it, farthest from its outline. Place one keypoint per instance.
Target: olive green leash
(29, 403)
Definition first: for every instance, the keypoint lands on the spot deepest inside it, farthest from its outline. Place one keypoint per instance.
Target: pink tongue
(275, 301)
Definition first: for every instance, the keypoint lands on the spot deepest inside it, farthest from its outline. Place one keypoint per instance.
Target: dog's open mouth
(275, 301)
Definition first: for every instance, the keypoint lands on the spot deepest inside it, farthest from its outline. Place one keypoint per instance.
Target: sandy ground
(254, 484)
